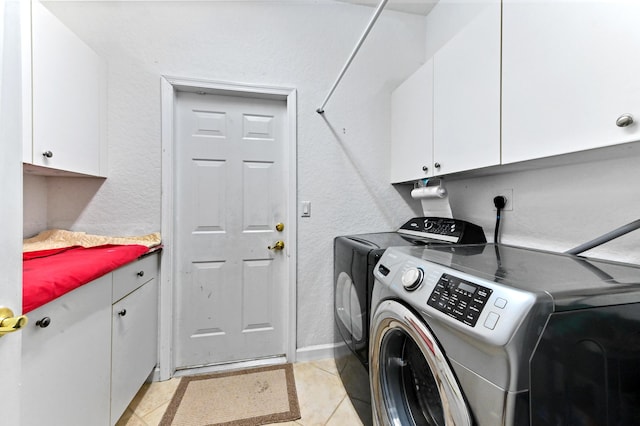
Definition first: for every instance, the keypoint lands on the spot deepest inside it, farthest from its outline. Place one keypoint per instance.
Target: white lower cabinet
(134, 345)
(66, 359)
(87, 353)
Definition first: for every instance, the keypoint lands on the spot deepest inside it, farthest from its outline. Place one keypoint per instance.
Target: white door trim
(169, 87)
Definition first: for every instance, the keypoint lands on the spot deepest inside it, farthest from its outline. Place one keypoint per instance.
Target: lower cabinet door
(66, 355)
(134, 345)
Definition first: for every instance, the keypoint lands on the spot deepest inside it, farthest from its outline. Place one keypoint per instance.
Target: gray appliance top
(573, 282)
(382, 240)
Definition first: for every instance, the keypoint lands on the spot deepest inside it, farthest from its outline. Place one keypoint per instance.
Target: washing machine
(354, 259)
(492, 335)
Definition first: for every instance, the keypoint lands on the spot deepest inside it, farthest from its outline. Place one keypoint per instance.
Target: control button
(492, 320)
(412, 278)
(383, 270)
(500, 303)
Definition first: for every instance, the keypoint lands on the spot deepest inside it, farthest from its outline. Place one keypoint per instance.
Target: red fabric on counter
(44, 253)
(47, 274)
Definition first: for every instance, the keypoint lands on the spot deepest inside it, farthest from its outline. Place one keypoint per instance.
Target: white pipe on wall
(373, 20)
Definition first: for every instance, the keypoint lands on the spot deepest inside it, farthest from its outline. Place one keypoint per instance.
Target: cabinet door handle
(436, 165)
(47, 154)
(140, 274)
(624, 120)
(122, 312)
(425, 169)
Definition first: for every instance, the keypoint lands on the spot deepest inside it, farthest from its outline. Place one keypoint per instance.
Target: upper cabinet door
(467, 94)
(412, 127)
(570, 71)
(68, 98)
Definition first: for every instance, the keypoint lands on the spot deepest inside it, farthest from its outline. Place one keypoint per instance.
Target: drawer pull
(123, 312)
(140, 274)
(44, 322)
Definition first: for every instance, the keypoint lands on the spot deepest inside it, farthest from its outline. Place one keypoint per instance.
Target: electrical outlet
(508, 194)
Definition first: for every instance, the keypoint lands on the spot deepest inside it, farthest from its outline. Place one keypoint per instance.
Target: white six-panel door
(230, 195)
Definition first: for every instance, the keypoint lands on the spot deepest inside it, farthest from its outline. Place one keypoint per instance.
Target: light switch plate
(305, 209)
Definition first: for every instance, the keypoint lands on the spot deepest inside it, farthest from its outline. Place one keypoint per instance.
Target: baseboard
(155, 375)
(317, 352)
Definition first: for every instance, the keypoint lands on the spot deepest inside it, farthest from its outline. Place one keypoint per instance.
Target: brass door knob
(9, 323)
(280, 227)
(278, 245)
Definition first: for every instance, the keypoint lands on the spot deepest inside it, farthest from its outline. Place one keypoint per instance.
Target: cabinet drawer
(132, 276)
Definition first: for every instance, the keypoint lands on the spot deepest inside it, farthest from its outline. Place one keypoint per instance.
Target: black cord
(495, 234)
(499, 201)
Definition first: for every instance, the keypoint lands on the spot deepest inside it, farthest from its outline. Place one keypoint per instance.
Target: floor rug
(250, 397)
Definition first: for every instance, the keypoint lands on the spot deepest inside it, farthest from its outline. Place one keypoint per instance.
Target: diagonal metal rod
(373, 20)
(624, 229)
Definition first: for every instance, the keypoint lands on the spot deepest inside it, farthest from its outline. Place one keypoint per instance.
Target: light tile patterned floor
(323, 400)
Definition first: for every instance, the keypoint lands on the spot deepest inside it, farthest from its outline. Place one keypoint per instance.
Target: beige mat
(255, 396)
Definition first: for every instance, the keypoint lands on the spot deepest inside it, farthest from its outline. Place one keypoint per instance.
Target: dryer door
(411, 380)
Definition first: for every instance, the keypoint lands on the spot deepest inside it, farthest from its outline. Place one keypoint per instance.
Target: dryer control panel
(460, 299)
(444, 229)
(477, 306)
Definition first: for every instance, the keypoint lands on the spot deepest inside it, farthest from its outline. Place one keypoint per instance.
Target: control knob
(412, 278)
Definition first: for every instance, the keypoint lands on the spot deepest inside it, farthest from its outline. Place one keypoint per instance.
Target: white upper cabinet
(412, 127)
(446, 117)
(69, 99)
(570, 71)
(466, 104)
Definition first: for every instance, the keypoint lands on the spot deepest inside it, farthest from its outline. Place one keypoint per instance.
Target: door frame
(169, 87)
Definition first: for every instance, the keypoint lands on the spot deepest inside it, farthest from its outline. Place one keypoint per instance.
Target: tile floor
(323, 400)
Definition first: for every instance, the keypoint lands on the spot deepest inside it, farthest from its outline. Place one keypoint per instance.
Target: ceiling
(418, 7)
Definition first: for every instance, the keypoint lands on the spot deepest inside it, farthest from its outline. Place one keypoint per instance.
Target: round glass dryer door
(412, 383)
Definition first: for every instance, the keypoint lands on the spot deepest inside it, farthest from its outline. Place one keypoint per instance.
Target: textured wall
(342, 158)
(562, 206)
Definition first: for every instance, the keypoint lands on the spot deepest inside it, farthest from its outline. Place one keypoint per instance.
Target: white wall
(342, 157)
(34, 204)
(560, 207)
